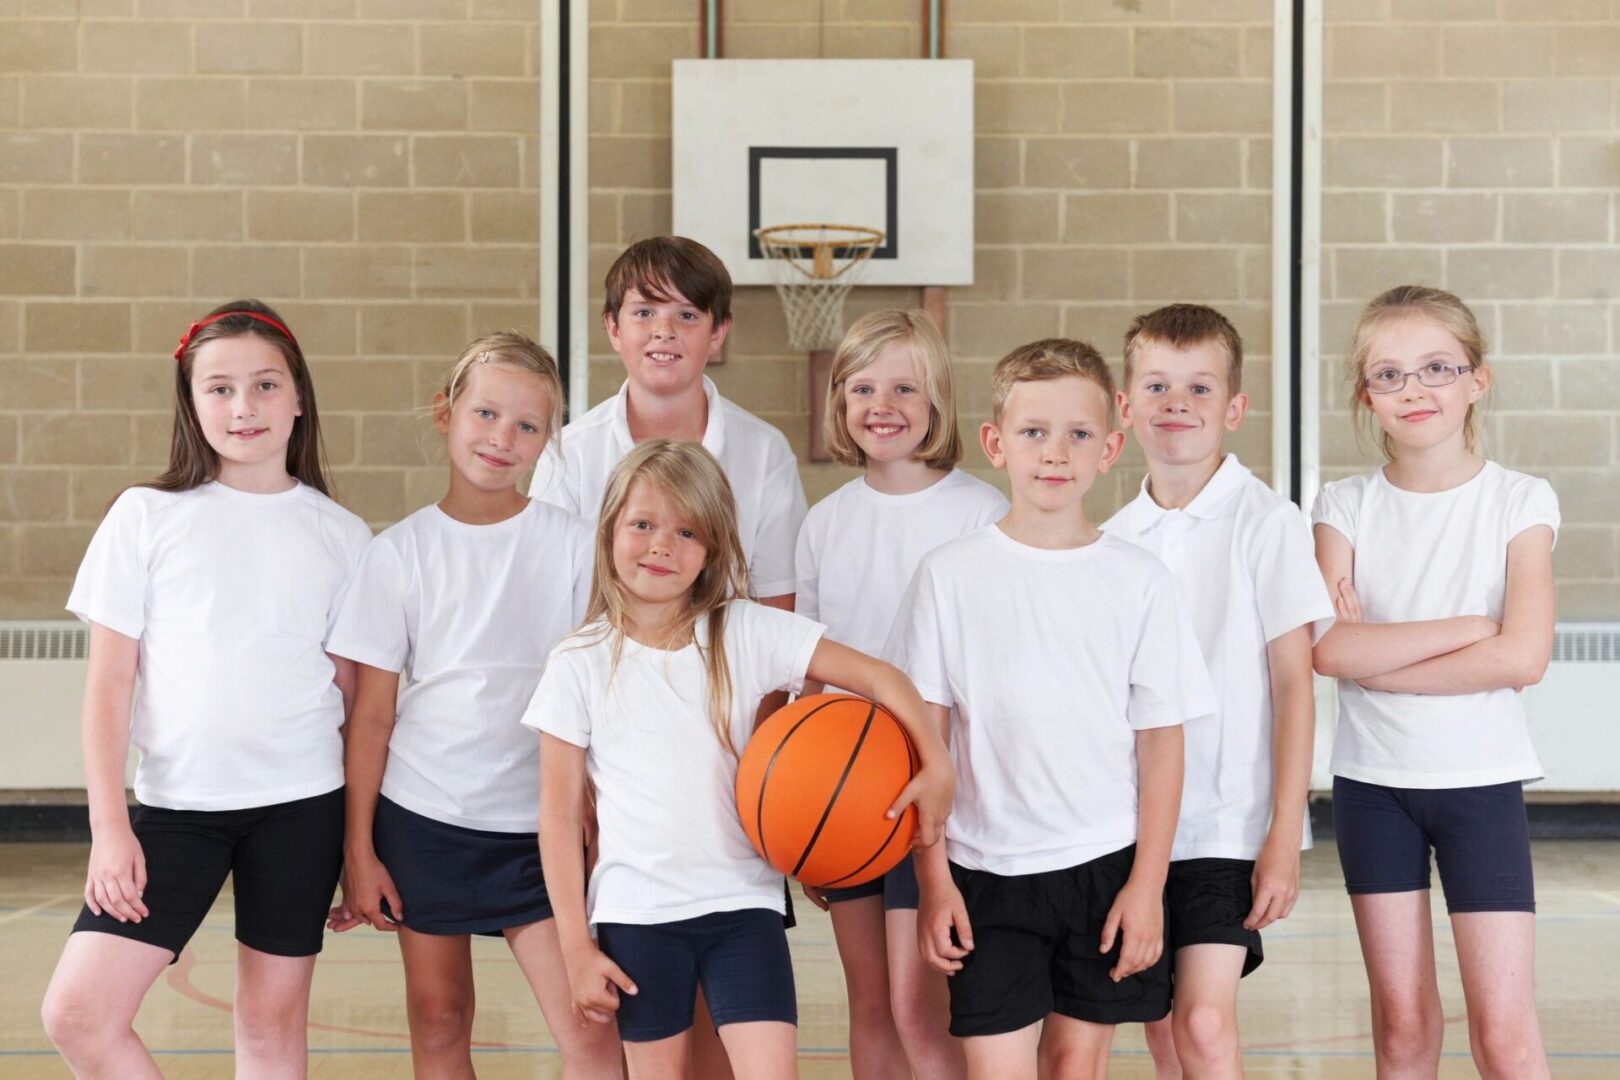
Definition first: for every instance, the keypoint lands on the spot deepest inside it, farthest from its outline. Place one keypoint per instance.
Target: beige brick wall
(1123, 161)
(1475, 144)
(367, 166)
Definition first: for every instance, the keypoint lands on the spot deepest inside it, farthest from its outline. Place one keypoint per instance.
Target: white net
(815, 267)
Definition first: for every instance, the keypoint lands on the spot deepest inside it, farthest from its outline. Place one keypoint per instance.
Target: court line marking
(32, 909)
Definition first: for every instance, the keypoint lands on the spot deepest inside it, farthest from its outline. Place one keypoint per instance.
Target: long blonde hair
(1392, 305)
(688, 476)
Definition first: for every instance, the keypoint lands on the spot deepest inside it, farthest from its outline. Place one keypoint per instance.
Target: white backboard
(885, 144)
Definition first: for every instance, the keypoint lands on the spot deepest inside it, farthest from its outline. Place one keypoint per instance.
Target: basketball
(813, 785)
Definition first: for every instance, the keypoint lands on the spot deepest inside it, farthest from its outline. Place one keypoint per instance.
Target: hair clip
(483, 357)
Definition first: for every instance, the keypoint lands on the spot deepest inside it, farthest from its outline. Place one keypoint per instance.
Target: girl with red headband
(210, 592)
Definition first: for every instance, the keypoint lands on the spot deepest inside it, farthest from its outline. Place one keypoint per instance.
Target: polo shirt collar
(1213, 501)
(714, 433)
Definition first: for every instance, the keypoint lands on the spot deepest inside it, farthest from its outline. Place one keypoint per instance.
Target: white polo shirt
(1243, 559)
(1434, 555)
(1051, 662)
(756, 458)
(467, 615)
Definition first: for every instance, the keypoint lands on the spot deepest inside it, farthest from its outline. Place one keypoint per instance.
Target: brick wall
(1475, 144)
(367, 166)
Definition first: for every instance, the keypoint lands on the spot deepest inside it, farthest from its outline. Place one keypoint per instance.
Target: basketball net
(815, 266)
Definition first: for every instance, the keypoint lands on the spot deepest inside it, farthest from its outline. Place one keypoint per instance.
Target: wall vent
(1586, 643)
(60, 640)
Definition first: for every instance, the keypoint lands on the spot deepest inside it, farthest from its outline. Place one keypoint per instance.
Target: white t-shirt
(859, 547)
(232, 596)
(467, 614)
(1050, 661)
(1242, 557)
(672, 846)
(756, 458)
(1433, 555)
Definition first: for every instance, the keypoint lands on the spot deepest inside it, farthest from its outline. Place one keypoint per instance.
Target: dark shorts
(454, 880)
(1480, 837)
(1206, 901)
(283, 861)
(739, 957)
(898, 888)
(1035, 939)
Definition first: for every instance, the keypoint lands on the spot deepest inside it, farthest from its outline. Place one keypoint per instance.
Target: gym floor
(1303, 1014)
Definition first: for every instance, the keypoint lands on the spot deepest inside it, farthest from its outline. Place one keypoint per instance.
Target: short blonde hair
(1050, 358)
(510, 349)
(1391, 306)
(1181, 326)
(869, 338)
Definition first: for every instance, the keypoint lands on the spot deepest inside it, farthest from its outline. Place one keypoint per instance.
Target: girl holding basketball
(1440, 566)
(451, 613)
(210, 594)
(891, 409)
(650, 702)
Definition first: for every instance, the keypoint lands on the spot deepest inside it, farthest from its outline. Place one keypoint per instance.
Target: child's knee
(440, 1015)
(1408, 1032)
(1205, 1032)
(270, 1023)
(75, 1020)
(1506, 1046)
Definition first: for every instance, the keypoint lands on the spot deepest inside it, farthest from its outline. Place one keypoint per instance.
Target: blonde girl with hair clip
(891, 410)
(449, 619)
(1440, 568)
(210, 594)
(649, 704)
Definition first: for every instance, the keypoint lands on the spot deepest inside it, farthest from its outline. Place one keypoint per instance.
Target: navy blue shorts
(898, 888)
(1207, 901)
(454, 880)
(283, 861)
(1480, 837)
(739, 957)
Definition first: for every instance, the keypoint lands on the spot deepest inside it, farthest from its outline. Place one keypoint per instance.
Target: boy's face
(1180, 402)
(664, 343)
(1053, 439)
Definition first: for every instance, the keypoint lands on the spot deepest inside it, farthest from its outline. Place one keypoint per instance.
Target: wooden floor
(1303, 1014)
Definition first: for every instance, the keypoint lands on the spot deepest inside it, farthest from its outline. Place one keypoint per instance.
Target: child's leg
(1073, 1049)
(920, 1001)
(1397, 945)
(1161, 1044)
(1204, 1019)
(660, 1059)
(439, 1002)
(875, 1049)
(92, 1000)
(747, 978)
(707, 1054)
(587, 1052)
(762, 1048)
(271, 1013)
(1009, 1056)
(1496, 952)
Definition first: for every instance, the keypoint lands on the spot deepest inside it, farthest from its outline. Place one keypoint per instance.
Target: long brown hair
(690, 477)
(192, 462)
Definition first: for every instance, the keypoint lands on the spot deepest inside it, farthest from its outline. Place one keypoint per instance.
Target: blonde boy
(1242, 557)
(1060, 663)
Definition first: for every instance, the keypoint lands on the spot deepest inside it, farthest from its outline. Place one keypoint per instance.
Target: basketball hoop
(815, 266)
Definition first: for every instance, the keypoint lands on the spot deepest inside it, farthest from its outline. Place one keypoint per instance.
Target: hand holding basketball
(931, 791)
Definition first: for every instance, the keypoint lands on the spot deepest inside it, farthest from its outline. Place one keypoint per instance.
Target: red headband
(191, 331)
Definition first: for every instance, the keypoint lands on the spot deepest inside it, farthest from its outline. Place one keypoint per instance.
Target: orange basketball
(813, 784)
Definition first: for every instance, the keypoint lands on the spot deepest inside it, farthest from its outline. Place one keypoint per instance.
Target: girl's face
(1417, 417)
(886, 406)
(656, 552)
(497, 427)
(245, 399)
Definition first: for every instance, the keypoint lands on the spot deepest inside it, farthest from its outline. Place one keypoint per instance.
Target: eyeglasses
(1388, 380)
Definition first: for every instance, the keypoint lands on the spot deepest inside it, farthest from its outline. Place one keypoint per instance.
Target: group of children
(1114, 723)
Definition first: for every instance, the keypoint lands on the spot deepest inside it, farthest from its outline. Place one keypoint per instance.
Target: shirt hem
(438, 814)
(1043, 863)
(633, 917)
(1437, 781)
(148, 797)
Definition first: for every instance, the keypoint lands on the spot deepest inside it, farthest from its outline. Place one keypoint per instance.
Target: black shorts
(1035, 951)
(1206, 902)
(454, 880)
(898, 888)
(740, 958)
(1480, 837)
(283, 861)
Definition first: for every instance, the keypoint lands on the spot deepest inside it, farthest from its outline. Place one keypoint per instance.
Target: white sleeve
(1169, 680)
(916, 642)
(777, 645)
(1532, 503)
(781, 512)
(1287, 581)
(356, 540)
(110, 588)
(561, 704)
(1336, 506)
(372, 627)
(807, 573)
(551, 482)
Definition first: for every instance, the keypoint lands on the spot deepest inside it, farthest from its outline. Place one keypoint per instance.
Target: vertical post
(1282, 246)
(933, 296)
(1310, 306)
(820, 378)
